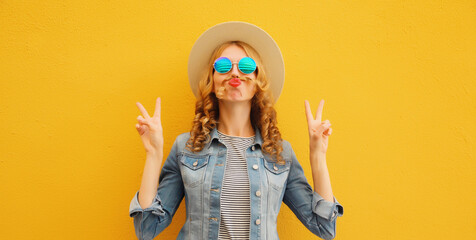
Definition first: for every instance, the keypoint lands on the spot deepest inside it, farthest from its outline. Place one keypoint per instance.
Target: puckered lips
(235, 82)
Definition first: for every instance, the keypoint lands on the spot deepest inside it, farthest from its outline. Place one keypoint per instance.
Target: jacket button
(275, 168)
(253, 148)
(258, 222)
(258, 193)
(195, 164)
(255, 166)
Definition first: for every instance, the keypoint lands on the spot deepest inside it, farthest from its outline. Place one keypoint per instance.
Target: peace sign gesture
(150, 128)
(319, 131)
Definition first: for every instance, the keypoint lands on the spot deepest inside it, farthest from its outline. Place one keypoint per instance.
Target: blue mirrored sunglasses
(246, 65)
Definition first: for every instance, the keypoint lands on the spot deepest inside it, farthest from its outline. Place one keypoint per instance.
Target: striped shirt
(235, 196)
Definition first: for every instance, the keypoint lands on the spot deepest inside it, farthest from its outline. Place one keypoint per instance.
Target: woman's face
(243, 92)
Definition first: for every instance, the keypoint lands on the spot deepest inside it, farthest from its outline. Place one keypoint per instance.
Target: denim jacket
(199, 176)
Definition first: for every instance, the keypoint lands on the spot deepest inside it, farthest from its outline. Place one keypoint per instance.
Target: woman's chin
(235, 99)
(233, 96)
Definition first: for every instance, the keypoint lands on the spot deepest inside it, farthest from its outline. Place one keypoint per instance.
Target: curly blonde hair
(262, 115)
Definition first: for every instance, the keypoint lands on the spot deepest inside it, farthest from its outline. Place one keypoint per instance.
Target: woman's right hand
(150, 128)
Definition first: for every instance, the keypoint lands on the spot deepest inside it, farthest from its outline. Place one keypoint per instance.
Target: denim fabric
(198, 177)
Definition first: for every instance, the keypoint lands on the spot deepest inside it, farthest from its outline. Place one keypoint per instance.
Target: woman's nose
(234, 70)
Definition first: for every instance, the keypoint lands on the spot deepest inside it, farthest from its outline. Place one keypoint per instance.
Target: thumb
(141, 129)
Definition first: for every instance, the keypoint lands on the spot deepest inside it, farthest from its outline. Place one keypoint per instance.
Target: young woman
(233, 168)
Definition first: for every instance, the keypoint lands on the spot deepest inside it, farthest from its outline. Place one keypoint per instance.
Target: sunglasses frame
(233, 63)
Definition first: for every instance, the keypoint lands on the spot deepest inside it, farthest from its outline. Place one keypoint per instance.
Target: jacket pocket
(277, 174)
(193, 168)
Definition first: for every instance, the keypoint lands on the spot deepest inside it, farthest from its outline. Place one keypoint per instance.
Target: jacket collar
(214, 135)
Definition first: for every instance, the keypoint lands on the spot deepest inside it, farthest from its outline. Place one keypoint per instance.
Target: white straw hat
(261, 41)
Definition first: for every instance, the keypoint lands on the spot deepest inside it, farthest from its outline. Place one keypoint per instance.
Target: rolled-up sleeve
(149, 222)
(317, 214)
(325, 209)
(155, 207)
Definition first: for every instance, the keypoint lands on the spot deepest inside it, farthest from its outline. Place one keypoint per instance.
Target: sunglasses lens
(247, 65)
(222, 65)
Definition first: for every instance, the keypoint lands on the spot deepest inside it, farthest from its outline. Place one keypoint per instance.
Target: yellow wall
(397, 77)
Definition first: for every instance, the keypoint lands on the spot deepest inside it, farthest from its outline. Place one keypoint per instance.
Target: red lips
(235, 82)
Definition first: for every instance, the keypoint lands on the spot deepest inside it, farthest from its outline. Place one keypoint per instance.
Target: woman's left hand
(319, 131)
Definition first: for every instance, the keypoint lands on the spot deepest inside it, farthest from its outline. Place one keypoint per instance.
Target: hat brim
(261, 41)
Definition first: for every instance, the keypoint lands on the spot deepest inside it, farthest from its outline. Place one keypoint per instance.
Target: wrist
(315, 152)
(155, 154)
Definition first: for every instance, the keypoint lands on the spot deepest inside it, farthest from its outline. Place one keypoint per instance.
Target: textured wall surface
(398, 79)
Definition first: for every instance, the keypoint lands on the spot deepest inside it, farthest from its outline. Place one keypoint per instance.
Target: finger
(138, 128)
(325, 123)
(141, 120)
(143, 129)
(142, 110)
(308, 112)
(330, 131)
(157, 108)
(319, 110)
(325, 126)
(326, 133)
